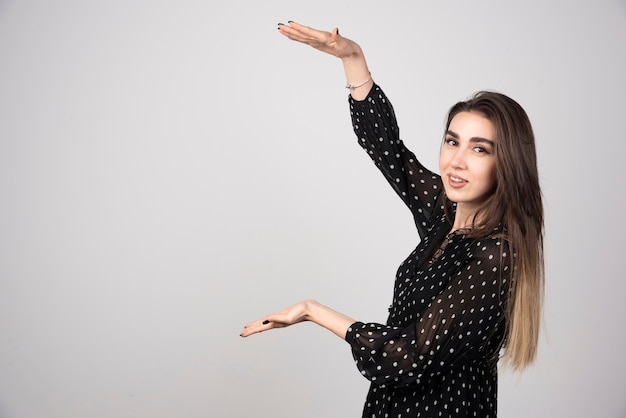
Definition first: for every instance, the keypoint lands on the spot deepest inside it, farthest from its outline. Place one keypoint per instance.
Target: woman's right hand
(330, 42)
(358, 76)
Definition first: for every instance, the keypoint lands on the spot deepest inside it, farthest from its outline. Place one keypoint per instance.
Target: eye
(482, 150)
(451, 141)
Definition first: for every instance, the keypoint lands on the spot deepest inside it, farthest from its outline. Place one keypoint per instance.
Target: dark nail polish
(337, 31)
(266, 322)
(290, 21)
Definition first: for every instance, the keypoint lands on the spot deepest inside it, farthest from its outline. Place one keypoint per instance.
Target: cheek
(443, 160)
(490, 177)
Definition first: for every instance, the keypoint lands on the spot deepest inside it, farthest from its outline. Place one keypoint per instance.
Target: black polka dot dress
(437, 354)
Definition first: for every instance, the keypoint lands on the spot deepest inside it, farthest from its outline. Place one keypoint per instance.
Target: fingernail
(337, 31)
(266, 322)
(290, 21)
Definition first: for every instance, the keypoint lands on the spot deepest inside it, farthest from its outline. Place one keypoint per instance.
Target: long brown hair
(515, 208)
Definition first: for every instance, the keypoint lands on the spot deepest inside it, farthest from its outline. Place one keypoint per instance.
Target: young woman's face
(467, 160)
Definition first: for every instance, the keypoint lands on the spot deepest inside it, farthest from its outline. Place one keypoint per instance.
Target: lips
(455, 181)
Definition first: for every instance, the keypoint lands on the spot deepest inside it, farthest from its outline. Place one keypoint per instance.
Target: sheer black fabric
(437, 354)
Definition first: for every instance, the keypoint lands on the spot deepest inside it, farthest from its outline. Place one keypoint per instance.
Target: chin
(454, 197)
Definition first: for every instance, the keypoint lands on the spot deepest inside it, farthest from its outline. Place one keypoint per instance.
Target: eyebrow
(473, 139)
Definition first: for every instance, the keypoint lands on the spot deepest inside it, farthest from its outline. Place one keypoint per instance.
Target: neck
(463, 217)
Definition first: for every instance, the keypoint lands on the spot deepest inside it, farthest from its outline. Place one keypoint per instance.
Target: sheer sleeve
(375, 126)
(455, 327)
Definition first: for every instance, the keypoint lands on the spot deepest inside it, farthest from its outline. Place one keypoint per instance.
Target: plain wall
(170, 171)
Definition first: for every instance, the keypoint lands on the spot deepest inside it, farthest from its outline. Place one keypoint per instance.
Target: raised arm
(357, 74)
(375, 123)
(377, 130)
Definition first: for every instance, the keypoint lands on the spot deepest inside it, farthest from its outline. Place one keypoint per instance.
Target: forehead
(468, 125)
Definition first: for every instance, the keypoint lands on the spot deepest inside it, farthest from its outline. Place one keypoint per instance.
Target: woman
(473, 287)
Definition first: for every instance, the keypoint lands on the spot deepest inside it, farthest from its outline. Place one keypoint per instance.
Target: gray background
(172, 170)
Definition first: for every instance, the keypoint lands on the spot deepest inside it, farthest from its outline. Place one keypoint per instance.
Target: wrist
(328, 318)
(356, 55)
(311, 310)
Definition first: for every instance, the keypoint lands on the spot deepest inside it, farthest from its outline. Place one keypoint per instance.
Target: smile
(456, 182)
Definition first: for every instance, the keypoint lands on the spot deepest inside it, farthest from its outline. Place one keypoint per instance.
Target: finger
(296, 25)
(259, 322)
(302, 33)
(291, 28)
(256, 327)
(290, 33)
(297, 36)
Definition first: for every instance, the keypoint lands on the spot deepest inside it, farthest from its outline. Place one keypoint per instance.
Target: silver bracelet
(352, 87)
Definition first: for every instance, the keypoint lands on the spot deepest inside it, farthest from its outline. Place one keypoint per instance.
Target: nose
(458, 159)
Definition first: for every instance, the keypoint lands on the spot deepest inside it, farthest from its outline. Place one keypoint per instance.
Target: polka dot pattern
(436, 356)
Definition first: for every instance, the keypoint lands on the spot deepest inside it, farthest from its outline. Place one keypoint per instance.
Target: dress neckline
(460, 231)
(444, 243)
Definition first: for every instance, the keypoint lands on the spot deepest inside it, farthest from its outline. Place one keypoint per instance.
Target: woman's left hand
(281, 319)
